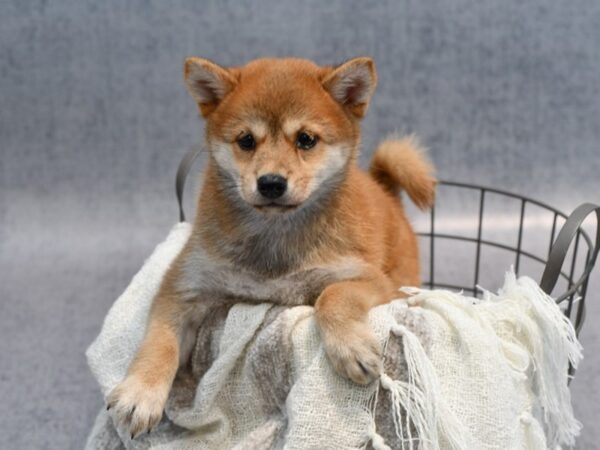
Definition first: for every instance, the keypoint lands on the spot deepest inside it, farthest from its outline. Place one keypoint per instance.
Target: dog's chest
(203, 275)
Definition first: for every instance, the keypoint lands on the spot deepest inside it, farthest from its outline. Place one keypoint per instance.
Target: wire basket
(565, 267)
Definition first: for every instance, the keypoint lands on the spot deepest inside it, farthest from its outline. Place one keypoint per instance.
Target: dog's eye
(305, 141)
(247, 142)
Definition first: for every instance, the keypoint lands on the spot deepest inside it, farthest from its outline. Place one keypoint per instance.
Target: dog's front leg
(139, 400)
(341, 313)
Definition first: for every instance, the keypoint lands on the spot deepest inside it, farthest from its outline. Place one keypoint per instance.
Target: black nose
(271, 185)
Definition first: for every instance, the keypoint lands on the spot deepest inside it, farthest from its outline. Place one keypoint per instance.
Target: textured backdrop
(94, 118)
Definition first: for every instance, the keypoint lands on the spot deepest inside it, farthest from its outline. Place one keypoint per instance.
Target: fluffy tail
(401, 164)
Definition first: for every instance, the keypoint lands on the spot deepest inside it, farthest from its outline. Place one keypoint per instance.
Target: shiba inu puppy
(285, 216)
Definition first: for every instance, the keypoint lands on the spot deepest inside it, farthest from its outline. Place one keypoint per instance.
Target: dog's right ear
(207, 82)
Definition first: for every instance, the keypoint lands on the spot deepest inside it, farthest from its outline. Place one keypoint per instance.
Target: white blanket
(460, 373)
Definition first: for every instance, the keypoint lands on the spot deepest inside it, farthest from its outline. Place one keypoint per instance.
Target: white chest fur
(204, 275)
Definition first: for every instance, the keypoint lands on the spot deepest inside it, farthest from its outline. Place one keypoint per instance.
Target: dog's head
(281, 132)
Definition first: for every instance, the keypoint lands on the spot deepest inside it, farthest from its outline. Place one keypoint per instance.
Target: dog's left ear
(207, 82)
(352, 84)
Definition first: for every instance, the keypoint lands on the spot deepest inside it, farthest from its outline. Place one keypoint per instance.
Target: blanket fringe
(548, 337)
(551, 349)
(421, 401)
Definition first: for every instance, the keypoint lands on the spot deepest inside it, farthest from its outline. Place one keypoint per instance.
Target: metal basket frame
(571, 232)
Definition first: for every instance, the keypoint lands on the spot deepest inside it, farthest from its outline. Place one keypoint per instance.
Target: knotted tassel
(377, 442)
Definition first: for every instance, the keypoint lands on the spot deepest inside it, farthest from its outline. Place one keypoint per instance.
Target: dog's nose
(271, 185)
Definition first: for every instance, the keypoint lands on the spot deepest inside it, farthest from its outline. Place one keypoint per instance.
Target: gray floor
(94, 119)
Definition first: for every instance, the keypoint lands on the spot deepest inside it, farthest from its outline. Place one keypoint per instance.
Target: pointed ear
(207, 82)
(352, 84)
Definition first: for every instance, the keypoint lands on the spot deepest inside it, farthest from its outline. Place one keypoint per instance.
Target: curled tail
(401, 165)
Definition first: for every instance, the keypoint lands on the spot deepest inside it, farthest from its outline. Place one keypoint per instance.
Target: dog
(286, 216)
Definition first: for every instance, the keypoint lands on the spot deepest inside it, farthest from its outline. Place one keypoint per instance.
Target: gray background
(94, 118)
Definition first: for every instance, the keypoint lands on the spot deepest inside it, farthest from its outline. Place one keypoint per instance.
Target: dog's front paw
(137, 406)
(354, 352)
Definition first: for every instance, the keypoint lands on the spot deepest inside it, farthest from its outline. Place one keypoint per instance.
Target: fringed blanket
(460, 373)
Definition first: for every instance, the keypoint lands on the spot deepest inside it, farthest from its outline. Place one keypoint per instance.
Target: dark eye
(305, 141)
(247, 142)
